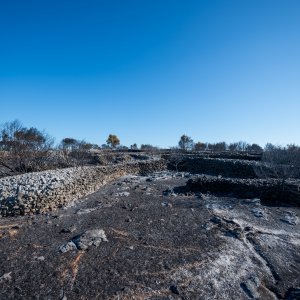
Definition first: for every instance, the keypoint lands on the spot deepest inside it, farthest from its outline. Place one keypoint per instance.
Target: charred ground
(160, 245)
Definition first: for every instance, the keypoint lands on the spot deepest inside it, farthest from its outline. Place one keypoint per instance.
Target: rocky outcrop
(45, 191)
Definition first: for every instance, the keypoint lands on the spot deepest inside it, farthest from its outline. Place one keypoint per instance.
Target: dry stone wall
(233, 168)
(270, 191)
(45, 191)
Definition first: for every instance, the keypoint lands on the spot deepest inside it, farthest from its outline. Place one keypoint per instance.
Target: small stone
(90, 237)
(67, 247)
(40, 258)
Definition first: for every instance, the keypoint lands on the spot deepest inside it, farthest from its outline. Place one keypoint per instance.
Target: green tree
(113, 140)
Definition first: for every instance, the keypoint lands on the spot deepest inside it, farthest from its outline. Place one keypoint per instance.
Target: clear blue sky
(150, 71)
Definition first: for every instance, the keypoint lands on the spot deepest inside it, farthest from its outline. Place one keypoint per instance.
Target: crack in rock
(246, 236)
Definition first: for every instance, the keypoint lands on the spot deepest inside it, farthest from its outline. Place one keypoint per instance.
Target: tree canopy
(113, 140)
(185, 143)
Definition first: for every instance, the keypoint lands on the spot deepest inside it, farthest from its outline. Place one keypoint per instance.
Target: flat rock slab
(152, 244)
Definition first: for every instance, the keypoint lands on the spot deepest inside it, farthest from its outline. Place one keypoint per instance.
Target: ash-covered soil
(136, 238)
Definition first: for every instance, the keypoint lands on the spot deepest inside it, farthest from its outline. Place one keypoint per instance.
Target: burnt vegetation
(24, 149)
